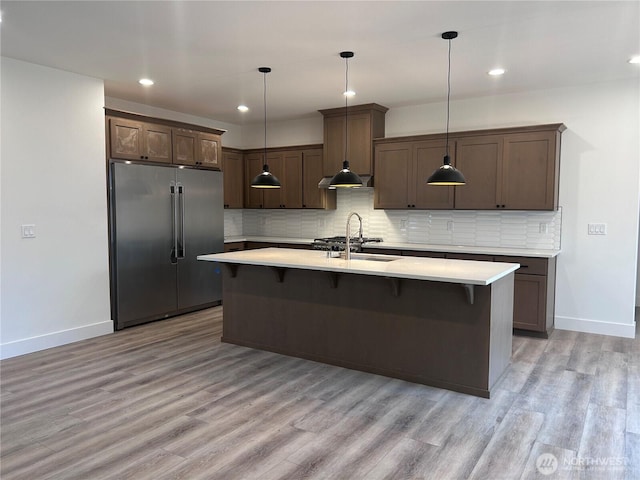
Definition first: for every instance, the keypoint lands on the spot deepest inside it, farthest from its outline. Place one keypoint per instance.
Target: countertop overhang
(389, 266)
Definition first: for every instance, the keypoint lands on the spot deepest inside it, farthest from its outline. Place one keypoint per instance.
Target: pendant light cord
(264, 83)
(346, 101)
(448, 97)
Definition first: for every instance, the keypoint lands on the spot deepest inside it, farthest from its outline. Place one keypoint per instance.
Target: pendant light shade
(345, 178)
(447, 174)
(265, 179)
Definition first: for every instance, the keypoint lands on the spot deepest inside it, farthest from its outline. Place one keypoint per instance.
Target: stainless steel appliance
(161, 219)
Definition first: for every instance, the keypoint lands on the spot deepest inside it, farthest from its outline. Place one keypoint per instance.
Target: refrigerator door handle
(174, 232)
(181, 243)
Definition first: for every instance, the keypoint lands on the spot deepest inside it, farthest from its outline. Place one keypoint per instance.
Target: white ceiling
(204, 55)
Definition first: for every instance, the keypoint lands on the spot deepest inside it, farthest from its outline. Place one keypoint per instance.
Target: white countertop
(417, 268)
(506, 251)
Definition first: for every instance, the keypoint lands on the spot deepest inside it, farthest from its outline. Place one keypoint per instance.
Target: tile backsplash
(515, 229)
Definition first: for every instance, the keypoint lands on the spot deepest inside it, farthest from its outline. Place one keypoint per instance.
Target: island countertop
(416, 268)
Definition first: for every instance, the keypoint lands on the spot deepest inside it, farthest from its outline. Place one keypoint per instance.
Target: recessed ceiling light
(496, 72)
(635, 59)
(243, 108)
(349, 93)
(147, 82)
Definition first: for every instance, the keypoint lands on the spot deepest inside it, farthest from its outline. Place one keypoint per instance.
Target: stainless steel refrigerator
(161, 219)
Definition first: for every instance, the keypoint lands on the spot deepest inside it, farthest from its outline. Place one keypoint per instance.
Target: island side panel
(428, 334)
(501, 327)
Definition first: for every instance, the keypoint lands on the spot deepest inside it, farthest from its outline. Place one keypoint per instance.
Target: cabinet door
(423, 253)
(157, 143)
(359, 151)
(273, 196)
(253, 197)
(312, 196)
(209, 150)
(127, 139)
(359, 146)
(395, 175)
(428, 157)
(529, 301)
(480, 160)
(529, 179)
(233, 177)
(184, 146)
(333, 145)
(291, 191)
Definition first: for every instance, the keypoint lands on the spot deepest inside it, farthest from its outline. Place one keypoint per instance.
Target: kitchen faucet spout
(348, 234)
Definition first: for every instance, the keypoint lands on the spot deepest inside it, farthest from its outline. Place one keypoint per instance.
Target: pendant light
(265, 179)
(345, 178)
(447, 173)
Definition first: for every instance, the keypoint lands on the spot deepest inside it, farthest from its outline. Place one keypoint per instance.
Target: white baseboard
(596, 326)
(55, 339)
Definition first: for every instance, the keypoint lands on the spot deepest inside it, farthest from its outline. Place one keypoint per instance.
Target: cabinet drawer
(422, 253)
(528, 265)
(233, 246)
(470, 256)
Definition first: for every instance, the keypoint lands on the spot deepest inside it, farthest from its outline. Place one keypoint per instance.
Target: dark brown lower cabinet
(529, 300)
(533, 291)
(534, 294)
(253, 245)
(234, 246)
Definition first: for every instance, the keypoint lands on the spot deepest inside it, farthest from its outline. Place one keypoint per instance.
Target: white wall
(596, 284)
(54, 288)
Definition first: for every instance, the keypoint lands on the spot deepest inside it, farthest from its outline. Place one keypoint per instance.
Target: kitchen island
(440, 322)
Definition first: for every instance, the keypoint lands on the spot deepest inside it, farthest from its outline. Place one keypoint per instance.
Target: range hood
(367, 181)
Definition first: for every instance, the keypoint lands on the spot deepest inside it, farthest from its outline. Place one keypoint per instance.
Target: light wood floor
(168, 400)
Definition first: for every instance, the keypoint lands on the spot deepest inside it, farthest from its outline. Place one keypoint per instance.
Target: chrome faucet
(348, 235)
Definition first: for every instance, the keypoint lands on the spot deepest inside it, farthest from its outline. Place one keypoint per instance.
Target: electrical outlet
(597, 228)
(544, 228)
(28, 231)
(450, 225)
(403, 223)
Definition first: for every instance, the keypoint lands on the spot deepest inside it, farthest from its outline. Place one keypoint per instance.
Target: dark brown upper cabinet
(140, 138)
(401, 172)
(364, 123)
(299, 170)
(233, 178)
(505, 169)
(132, 140)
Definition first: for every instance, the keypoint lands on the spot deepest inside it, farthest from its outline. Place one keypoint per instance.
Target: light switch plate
(597, 228)
(28, 230)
